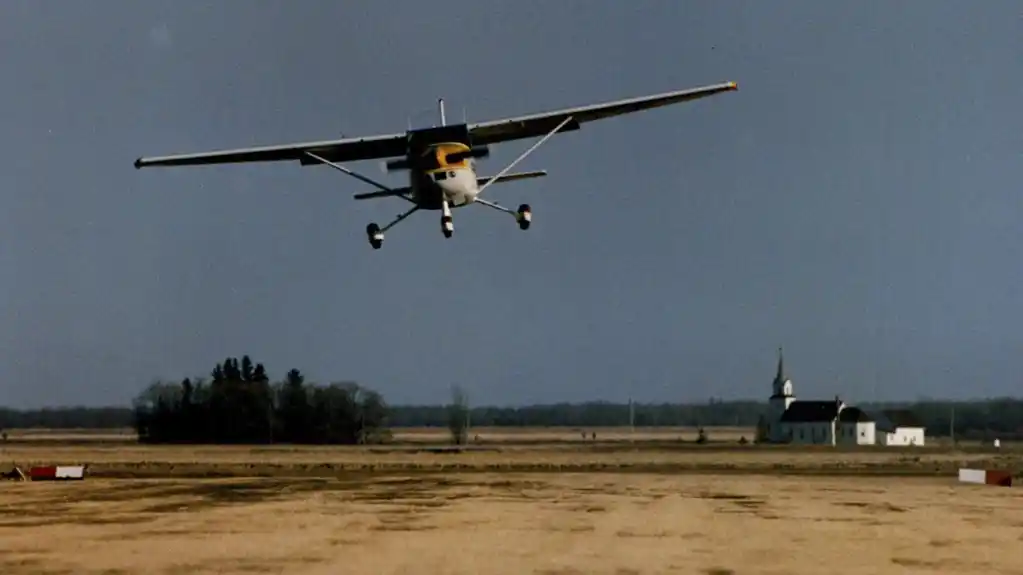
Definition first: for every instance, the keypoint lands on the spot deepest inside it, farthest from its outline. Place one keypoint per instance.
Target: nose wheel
(524, 216)
(447, 225)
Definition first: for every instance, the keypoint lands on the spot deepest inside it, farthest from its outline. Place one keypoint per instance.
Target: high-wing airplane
(440, 160)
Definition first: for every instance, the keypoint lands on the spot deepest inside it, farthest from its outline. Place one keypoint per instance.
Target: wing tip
(733, 85)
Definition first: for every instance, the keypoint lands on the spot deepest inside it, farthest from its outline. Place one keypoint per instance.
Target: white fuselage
(454, 181)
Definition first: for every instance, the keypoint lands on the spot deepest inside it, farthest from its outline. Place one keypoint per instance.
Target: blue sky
(856, 201)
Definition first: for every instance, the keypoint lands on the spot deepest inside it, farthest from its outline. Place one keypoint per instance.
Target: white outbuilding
(899, 427)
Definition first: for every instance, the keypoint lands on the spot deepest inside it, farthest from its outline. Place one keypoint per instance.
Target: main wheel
(375, 236)
(524, 216)
(447, 226)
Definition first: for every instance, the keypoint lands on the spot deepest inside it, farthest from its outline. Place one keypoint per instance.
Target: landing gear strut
(523, 216)
(447, 225)
(375, 234)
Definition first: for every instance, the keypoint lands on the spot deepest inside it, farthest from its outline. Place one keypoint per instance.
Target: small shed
(899, 427)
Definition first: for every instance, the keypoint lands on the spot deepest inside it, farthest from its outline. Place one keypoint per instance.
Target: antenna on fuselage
(440, 105)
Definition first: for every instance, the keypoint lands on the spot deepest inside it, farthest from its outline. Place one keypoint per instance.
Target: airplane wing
(535, 125)
(346, 150)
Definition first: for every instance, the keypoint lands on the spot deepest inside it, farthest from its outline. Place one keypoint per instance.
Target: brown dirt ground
(552, 523)
(711, 510)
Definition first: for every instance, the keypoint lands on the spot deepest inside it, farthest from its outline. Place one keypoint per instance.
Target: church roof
(893, 418)
(810, 411)
(854, 415)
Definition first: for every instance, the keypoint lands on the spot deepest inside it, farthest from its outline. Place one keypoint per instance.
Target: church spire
(779, 378)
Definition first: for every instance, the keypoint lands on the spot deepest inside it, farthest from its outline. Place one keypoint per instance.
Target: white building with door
(899, 427)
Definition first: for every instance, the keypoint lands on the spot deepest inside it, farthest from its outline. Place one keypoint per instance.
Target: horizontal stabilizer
(512, 177)
(396, 192)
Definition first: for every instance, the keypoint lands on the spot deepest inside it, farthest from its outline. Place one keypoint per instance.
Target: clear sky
(857, 201)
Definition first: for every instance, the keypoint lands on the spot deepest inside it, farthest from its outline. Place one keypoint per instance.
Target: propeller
(428, 161)
(474, 152)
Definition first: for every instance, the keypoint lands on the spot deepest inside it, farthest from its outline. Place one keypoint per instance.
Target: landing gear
(376, 237)
(524, 216)
(447, 225)
(375, 234)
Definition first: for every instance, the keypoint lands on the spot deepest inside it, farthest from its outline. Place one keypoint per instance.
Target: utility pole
(952, 426)
(632, 421)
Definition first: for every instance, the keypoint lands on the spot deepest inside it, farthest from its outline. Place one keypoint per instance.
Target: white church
(832, 422)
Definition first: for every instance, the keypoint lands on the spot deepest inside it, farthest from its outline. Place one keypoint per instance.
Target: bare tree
(458, 415)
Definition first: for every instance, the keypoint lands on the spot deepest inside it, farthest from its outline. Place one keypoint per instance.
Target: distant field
(512, 524)
(479, 436)
(70, 436)
(114, 455)
(440, 435)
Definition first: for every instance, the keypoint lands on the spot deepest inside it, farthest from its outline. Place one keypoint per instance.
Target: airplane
(440, 160)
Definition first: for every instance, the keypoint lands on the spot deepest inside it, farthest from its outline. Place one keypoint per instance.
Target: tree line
(974, 419)
(238, 403)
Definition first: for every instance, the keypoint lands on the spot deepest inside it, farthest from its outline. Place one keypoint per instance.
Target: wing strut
(358, 176)
(497, 177)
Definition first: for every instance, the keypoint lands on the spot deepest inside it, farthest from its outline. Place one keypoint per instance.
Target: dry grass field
(117, 455)
(518, 502)
(512, 524)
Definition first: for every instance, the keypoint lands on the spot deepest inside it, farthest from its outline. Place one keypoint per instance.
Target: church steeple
(780, 401)
(781, 387)
(780, 378)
